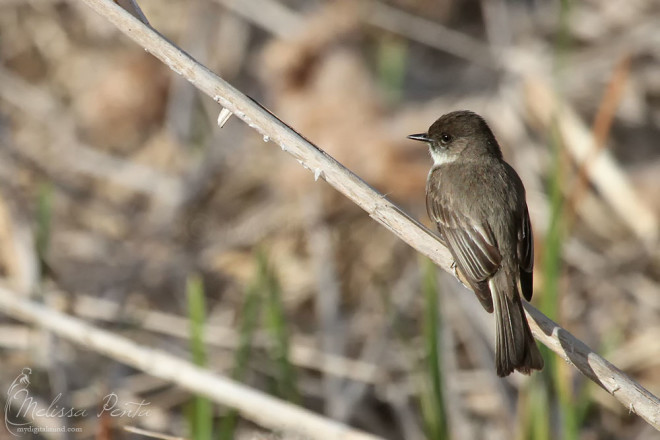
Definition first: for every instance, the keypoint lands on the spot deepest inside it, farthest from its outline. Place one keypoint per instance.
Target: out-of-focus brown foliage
(125, 84)
(321, 83)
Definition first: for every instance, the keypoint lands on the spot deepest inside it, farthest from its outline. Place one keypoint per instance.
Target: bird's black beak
(422, 137)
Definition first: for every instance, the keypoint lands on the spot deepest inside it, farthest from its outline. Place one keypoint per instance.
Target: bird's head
(460, 134)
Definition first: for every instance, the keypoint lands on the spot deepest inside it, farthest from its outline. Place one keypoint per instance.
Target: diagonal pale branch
(271, 128)
(622, 387)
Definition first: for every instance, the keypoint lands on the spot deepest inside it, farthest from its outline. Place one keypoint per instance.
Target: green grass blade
(432, 394)
(200, 412)
(538, 409)
(544, 386)
(285, 384)
(250, 319)
(44, 218)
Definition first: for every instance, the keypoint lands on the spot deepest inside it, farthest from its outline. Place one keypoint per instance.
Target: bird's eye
(445, 138)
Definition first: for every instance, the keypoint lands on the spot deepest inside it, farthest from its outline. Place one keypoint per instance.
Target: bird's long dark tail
(515, 348)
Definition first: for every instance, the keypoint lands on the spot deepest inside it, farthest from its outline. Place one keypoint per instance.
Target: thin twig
(629, 393)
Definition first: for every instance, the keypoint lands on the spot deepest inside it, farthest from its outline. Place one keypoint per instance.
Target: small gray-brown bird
(478, 203)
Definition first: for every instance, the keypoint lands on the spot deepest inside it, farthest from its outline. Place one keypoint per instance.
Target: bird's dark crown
(464, 128)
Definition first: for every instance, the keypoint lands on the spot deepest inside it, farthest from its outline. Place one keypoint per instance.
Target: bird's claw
(453, 268)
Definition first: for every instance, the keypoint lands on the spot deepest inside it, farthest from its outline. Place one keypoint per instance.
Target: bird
(478, 204)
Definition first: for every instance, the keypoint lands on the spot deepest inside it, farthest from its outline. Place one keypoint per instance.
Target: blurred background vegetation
(123, 203)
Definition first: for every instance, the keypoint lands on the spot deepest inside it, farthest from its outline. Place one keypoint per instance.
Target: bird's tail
(515, 346)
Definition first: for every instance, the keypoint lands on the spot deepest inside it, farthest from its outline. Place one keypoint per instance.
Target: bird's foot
(457, 275)
(454, 269)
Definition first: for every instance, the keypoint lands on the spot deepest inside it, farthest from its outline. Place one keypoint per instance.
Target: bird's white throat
(441, 158)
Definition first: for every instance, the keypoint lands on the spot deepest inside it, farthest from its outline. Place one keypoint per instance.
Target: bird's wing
(470, 241)
(473, 244)
(431, 202)
(526, 255)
